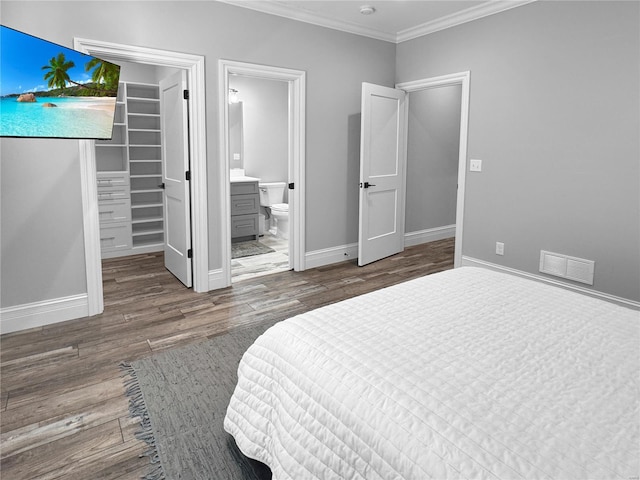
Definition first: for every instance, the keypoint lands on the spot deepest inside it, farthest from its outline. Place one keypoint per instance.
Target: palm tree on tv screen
(104, 73)
(57, 75)
(104, 76)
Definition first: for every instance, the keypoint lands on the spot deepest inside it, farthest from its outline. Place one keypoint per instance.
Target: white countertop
(243, 178)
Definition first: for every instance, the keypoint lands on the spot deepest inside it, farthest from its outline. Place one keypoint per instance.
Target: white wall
(554, 116)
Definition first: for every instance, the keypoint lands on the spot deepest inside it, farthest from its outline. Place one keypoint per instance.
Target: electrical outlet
(475, 165)
(499, 248)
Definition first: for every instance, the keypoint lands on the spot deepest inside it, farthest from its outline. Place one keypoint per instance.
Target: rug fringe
(138, 408)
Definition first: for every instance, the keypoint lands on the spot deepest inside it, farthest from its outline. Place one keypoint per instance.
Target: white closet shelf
(147, 232)
(146, 190)
(147, 220)
(154, 242)
(144, 99)
(146, 205)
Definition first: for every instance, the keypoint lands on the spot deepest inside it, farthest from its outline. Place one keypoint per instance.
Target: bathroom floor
(257, 265)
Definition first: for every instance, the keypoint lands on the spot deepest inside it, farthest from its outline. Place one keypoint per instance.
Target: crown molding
(302, 15)
(474, 13)
(458, 18)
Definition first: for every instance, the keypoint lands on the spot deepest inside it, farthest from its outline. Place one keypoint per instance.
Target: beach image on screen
(47, 90)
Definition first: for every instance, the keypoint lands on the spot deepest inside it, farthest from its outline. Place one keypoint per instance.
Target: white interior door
(175, 174)
(383, 161)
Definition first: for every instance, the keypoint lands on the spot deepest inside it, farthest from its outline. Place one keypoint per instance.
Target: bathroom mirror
(236, 148)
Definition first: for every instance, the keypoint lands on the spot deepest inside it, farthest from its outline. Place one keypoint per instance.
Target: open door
(175, 176)
(383, 161)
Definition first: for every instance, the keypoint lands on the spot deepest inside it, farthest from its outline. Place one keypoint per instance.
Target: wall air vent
(564, 266)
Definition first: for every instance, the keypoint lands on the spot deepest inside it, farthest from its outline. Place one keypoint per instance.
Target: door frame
(296, 80)
(194, 65)
(463, 79)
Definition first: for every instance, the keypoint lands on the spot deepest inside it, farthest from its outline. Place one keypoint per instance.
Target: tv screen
(50, 91)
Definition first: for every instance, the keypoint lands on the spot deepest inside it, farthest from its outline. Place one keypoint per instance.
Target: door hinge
(187, 175)
(185, 94)
(190, 253)
(291, 186)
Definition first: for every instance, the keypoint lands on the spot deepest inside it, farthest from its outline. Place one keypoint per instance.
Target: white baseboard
(429, 235)
(327, 256)
(474, 262)
(46, 312)
(217, 280)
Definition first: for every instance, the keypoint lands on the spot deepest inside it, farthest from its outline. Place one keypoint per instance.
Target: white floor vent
(564, 266)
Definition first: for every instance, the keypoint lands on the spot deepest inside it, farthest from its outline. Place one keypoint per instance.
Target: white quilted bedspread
(467, 374)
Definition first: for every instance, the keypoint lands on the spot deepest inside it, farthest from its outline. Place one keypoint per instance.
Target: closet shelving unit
(133, 160)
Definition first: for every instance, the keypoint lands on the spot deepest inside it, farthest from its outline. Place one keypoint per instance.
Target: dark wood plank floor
(63, 410)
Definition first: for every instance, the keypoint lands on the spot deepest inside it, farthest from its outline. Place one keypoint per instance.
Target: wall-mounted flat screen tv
(50, 91)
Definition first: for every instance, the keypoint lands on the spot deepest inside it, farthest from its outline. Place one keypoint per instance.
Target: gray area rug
(181, 396)
(248, 249)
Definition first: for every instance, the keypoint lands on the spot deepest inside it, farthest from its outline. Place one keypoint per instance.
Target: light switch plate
(475, 165)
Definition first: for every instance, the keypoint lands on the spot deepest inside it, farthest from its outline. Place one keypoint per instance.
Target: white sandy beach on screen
(106, 104)
(94, 103)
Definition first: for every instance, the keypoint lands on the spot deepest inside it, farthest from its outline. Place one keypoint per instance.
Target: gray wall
(336, 64)
(554, 116)
(265, 105)
(433, 147)
(41, 236)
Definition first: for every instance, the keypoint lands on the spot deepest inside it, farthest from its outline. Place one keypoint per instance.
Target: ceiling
(393, 20)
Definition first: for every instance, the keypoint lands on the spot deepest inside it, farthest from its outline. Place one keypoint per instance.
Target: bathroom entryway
(245, 264)
(264, 155)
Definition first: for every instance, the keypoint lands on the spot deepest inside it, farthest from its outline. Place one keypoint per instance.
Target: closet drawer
(243, 188)
(113, 194)
(115, 237)
(110, 211)
(111, 180)
(244, 225)
(245, 204)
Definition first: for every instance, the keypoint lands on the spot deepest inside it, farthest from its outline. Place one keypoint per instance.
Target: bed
(468, 373)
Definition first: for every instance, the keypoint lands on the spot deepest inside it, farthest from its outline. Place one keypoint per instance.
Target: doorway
(137, 170)
(288, 169)
(193, 65)
(460, 80)
(259, 144)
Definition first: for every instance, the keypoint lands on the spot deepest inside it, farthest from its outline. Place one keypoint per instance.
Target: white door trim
(297, 101)
(194, 65)
(463, 79)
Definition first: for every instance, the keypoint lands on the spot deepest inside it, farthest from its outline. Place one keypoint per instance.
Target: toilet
(271, 197)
